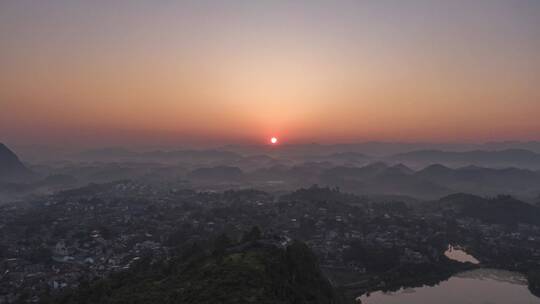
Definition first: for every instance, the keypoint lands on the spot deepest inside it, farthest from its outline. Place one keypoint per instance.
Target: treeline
(251, 270)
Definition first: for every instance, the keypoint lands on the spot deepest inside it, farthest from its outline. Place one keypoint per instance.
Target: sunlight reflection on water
(477, 286)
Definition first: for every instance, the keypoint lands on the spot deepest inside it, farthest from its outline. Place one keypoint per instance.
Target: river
(477, 286)
(484, 286)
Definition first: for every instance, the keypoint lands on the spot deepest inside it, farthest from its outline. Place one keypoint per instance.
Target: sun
(273, 140)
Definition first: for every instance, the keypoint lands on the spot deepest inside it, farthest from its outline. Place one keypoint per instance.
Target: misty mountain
(354, 173)
(11, 168)
(396, 182)
(401, 168)
(304, 174)
(174, 156)
(342, 158)
(376, 149)
(106, 154)
(349, 155)
(349, 152)
(192, 155)
(257, 161)
(379, 178)
(501, 209)
(216, 174)
(508, 145)
(479, 178)
(286, 168)
(505, 158)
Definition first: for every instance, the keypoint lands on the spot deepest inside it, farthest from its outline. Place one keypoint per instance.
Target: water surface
(481, 286)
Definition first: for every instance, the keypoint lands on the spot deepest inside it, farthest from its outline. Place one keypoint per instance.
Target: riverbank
(354, 285)
(473, 286)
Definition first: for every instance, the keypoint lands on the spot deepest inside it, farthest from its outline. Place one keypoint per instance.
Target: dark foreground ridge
(11, 168)
(256, 271)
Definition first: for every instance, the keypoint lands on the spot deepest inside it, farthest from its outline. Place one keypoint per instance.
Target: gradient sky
(106, 72)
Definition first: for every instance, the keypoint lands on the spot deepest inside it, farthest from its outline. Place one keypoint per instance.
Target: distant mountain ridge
(352, 155)
(216, 174)
(11, 168)
(519, 158)
(372, 149)
(381, 149)
(439, 180)
(121, 154)
(430, 182)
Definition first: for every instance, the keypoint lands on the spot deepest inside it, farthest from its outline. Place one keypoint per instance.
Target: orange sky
(208, 72)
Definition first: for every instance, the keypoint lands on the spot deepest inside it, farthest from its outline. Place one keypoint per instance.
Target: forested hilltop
(254, 270)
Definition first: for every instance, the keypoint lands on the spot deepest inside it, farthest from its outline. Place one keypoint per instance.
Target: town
(55, 243)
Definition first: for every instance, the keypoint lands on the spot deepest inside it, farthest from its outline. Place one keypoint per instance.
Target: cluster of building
(60, 241)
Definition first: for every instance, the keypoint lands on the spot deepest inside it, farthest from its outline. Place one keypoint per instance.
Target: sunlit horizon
(212, 73)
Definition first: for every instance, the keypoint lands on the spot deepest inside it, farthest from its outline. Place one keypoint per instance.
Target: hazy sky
(240, 71)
